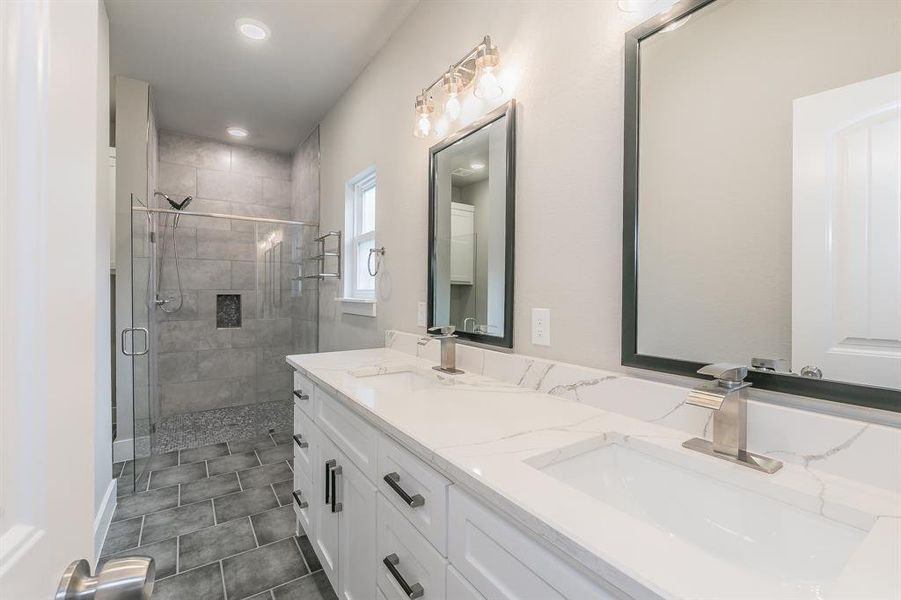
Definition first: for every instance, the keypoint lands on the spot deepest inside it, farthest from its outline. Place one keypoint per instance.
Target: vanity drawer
(503, 562)
(356, 438)
(413, 558)
(302, 502)
(304, 438)
(414, 489)
(460, 589)
(304, 392)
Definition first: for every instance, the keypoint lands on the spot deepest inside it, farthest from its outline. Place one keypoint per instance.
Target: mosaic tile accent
(228, 311)
(223, 424)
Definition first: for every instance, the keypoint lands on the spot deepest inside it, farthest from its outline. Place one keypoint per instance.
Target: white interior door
(54, 337)
(846, 232)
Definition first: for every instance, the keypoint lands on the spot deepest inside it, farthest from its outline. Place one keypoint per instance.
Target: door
(326, 518)
(54, 337)
(846, 233)
(356, 534)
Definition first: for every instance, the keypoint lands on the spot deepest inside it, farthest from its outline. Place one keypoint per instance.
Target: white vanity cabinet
(386, 525)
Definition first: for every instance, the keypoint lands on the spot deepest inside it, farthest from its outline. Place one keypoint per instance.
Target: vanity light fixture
(253, 29)
(476, 69)
(238, 132)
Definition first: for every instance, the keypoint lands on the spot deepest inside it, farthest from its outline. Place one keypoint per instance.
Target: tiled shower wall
(200, 366)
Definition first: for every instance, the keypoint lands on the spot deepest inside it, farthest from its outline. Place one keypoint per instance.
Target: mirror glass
(769, 210)
(469, 233)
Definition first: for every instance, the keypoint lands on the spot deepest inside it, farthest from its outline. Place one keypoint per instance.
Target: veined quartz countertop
(492, 439)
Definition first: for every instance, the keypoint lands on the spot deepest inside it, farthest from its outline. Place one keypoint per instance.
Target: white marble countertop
(480, 432)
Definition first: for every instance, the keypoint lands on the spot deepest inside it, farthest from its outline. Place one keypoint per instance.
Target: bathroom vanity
(415, 484)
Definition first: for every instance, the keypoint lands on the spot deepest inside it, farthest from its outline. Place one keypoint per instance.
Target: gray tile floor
(219, 523)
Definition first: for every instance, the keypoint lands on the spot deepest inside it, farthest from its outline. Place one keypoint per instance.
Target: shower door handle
(146, 341)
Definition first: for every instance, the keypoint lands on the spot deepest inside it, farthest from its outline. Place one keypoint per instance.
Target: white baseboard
(104, 518)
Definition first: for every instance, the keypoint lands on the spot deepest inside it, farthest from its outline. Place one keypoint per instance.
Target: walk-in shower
(223, 299)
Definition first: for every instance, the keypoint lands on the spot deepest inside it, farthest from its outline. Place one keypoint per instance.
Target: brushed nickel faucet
(727, 395)
(448, 348)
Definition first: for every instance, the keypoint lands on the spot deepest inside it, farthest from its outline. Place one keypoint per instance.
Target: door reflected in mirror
(471, 217)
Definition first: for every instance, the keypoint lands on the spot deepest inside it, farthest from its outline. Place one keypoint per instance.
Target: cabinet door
(325, 541)
(356, 537)
(462, 244)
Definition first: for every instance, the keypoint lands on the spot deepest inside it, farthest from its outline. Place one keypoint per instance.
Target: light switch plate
(420, 315)
(541, 326)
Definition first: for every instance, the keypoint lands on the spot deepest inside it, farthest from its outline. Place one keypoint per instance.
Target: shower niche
(228, 311)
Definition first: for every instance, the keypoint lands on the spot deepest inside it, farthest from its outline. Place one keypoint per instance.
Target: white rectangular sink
(405, 377)
(774, 538)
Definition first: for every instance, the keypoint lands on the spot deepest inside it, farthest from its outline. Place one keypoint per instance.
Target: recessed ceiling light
(253, 29)
(478, 166)
(238, 132)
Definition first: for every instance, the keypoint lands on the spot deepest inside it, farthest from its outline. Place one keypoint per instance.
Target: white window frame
(357, 301)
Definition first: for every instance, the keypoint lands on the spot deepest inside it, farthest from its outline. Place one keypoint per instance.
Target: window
(359, 221)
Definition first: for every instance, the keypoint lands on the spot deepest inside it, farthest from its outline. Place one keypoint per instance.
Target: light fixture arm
(466, 65)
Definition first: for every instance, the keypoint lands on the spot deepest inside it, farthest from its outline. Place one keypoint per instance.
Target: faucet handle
(444, 329)
(729, 374)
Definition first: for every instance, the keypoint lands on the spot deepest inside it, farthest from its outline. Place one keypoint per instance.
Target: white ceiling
(205, 76)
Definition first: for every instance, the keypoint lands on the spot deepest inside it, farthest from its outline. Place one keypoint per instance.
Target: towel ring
(378, 265)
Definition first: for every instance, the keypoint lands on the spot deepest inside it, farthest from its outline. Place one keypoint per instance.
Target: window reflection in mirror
(470, 226)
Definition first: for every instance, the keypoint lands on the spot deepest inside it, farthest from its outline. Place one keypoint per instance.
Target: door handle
(328, 469)
(133, 330)
(129, 578)
(393, 480)
(411, 591)
(336, 506)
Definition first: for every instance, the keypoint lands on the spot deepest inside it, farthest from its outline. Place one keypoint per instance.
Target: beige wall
(566, 59)
(716, 164)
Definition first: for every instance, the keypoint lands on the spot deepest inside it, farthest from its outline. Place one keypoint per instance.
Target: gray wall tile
(194, 151)
(177, 180)
(261, 162)
(175, 336)
(227, 363)
(243, 275)
(228, 245)
(193, 396)
(231, 187)
(199, 274)
(177, 367)
(276, 192)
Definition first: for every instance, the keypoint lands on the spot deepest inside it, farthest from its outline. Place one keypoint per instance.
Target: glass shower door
(138, 341)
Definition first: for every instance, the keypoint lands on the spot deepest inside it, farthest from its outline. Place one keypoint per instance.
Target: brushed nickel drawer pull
(301, 503)
(411, 591)
(298, 439)
(393, 480)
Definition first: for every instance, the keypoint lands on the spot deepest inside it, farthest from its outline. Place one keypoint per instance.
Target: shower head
(176, 205)
(179, 205)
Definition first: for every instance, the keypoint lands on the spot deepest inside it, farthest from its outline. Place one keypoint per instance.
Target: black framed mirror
(751, 127)
(472, 200)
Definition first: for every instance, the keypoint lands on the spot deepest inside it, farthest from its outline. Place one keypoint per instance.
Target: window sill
(364, 307)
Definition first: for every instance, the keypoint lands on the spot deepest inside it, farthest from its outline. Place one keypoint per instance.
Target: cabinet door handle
(328, 468)
(336, 506)
(301, 503)
(393, 480)
(298, 439)
(411, 591)
(300, 395)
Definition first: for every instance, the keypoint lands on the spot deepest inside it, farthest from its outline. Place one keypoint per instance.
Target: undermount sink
(406, 377)
(774, 538)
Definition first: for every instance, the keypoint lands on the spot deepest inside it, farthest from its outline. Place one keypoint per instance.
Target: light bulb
(487, 88)
(423, 126)
(452, 107)
(442, 126)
